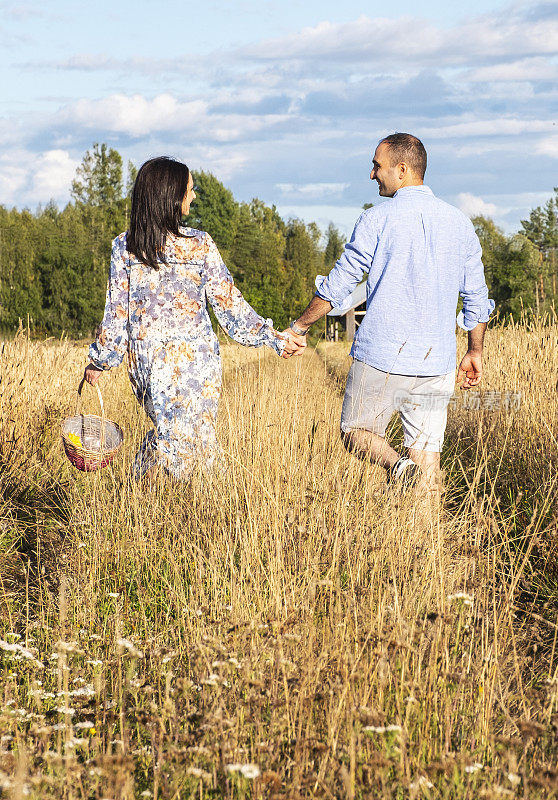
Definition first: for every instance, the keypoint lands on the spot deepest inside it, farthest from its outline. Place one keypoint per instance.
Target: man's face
(389, 177)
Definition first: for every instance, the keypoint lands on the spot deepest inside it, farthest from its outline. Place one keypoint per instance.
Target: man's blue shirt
(420, 253)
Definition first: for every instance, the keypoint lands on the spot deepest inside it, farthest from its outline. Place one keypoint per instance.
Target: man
(420, 254)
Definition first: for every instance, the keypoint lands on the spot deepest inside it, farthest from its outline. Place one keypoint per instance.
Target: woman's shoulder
(192, 233)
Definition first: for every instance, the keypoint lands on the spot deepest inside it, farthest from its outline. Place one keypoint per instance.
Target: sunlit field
(286, 628)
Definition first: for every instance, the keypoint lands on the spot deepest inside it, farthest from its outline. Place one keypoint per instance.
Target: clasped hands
(295, 344)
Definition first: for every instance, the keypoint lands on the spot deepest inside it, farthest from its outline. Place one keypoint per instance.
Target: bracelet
(297, 329)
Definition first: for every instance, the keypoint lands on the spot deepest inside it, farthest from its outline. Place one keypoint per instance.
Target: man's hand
(92, 374)
(470, 370)
(295, 345)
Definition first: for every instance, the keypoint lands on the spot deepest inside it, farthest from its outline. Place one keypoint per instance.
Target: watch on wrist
(297, 329)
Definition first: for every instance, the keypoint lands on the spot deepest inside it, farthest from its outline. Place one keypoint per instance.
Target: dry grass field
(286, 629)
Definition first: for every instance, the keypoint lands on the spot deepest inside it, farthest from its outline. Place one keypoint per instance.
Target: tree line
(54, 263)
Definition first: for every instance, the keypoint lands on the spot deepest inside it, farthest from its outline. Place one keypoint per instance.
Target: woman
(161, 275)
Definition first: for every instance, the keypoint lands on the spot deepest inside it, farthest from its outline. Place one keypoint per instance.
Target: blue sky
(283, 100)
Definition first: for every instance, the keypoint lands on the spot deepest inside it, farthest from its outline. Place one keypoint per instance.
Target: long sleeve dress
(159, 317)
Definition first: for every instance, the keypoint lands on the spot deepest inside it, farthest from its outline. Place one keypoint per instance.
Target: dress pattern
(159, 318)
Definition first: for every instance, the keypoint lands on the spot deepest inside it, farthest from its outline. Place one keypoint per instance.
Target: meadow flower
(421, 782)
(382, 729)
(85, 724)
(65, 710)
(249, 771)
(114, 595)
(19, 651)
(94, 662)
(514, 779)
(83, 691)
(466, 598)
(211, 680)
(472, 768)
(126, 644)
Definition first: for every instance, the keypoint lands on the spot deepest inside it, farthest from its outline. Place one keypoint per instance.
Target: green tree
(335, 244)
(98, 180)
(214, 210)
(510, 266)
(541, 228)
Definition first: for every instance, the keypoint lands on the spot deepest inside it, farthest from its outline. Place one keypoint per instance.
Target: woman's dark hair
(157, 196)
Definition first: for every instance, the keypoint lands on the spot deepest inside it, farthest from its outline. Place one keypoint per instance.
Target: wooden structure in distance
(348, 316)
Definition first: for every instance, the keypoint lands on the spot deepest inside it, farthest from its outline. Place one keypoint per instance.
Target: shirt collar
(422, 188)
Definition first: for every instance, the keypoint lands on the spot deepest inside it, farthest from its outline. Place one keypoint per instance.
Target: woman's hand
(295, 344)
(92, 374)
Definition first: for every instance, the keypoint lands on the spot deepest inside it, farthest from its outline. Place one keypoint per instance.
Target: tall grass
(284, 628)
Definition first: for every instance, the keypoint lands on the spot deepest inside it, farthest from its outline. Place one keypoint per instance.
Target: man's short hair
(406, 147)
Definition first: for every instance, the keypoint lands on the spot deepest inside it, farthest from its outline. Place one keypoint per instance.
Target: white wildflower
(421, 782)
(382, 729)
(250, 771)
(94, 662)
(467, 599)
(472, 768)
(233, 767)
(96, 637)
(114, 595)
(83, 691)
(514, 779)
(67, 647)
(19, 651)
(146, 793)
(84, 725)
(126, 644)
(15, 636)
(234, 662)
(211, 680)
(195, 772)
(76, 742)
(65, 710)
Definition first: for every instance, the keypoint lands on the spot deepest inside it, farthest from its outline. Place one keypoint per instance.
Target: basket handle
(100, 396)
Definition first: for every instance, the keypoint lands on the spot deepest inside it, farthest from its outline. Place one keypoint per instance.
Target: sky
(286, 101)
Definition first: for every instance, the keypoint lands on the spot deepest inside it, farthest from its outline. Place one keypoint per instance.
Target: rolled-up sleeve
(354, 263)
(233, 313)
(477, 306)
(111, 344)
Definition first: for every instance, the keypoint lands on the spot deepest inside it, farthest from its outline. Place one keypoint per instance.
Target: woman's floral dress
(160, 318)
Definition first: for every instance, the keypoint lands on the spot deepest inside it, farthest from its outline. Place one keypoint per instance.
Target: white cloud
(496, 126)
(548, 146)
(526, 69)
(508, 32)
(475, 206)
(28, 179)
(312, 190)
(53, 174)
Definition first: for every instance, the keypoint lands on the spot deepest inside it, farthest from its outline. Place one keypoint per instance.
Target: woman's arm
(112, 339)
(233, 313)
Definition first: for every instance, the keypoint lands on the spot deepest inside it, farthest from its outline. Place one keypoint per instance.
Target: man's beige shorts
(372, 396)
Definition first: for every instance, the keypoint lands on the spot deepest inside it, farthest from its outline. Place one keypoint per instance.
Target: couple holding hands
(419, 253)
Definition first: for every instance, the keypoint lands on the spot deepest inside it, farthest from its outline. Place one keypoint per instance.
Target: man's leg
(429, 463)
(369, 402)
(370, 446)
(424, 419)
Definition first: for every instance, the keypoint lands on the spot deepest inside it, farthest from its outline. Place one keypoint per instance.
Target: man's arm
(314, 311)
(470, 369)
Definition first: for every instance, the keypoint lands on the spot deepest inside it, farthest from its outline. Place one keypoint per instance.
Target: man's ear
(403, 170)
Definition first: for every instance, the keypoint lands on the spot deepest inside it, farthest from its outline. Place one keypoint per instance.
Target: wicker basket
(100, 438)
